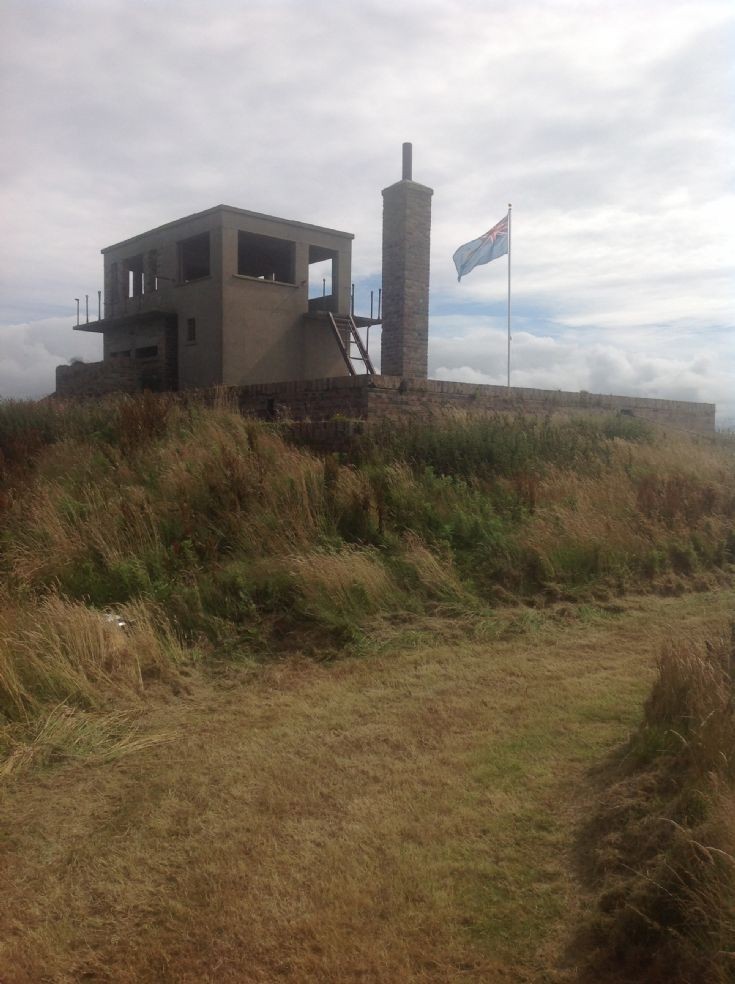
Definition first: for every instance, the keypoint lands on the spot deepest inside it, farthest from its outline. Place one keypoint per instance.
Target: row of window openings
(260, 257)
(147, 352)
(194, 264)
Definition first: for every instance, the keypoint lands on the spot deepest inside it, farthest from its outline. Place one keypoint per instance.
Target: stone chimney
(406, 234)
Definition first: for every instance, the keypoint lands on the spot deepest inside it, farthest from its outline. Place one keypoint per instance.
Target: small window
(147, 352)
(191, 330)
(194, 257)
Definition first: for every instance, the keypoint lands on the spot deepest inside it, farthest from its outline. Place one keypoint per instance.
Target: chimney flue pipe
(407, 162)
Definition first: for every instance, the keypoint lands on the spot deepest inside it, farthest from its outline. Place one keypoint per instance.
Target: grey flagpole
(509, 210)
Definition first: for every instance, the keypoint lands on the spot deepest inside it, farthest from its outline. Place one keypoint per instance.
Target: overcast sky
(606, 124)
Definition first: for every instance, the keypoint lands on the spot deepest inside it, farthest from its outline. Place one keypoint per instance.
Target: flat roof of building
(228, 208)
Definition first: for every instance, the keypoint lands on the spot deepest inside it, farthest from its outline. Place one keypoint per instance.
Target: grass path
(407, 816)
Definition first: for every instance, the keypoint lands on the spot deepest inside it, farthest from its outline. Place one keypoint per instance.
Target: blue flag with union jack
(488, 247)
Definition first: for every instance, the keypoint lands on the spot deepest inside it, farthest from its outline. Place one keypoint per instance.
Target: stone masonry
(406, 234)
(376, 398)
(85, 379)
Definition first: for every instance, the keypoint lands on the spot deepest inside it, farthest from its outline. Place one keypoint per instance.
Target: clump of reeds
(58, 650)
(66, 732)
(662, 846)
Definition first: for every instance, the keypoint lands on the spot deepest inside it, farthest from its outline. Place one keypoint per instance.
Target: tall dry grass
(652, 510)
(662, 846)
(68, 733)
(62, 665)
(246, 544)
(57, 650)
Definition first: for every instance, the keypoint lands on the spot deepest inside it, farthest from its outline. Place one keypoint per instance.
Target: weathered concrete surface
(247, 327)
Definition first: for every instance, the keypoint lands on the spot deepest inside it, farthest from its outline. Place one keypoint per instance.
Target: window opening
(150, 276)
(265, 258)
(134, 266)
(191, 329)
(147, 352)
(322, 277)
(194, 257)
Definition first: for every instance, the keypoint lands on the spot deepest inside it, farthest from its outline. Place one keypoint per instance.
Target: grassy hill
(149, 545)
(209, 534)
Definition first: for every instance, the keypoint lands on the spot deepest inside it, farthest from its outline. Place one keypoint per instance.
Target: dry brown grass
(585, 510)
(405, 817)
(67, 733)
(351, 578)
(662, 843)
(58, 649)
(626, 518)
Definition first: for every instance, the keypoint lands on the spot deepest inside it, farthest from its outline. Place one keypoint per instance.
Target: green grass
(248, 545)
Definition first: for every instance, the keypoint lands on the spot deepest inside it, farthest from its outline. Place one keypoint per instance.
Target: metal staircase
(347, 335)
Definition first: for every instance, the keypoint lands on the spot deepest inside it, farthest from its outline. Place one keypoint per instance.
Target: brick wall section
(112, 376)
(391, 397)
(311, 399)
(333, 408)
(399, 399)
(405, 311)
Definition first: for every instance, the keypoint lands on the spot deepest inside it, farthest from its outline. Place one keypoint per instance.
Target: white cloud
(638, 363)
(30, 353)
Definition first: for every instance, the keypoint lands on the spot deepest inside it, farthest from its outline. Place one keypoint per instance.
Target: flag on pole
(488, 247)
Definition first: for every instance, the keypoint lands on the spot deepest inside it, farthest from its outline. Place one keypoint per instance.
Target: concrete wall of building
(406, 244)
(321, 355)
(164, 243)
(247, 329)
(199, 363)
(265, 336)
(263, 332)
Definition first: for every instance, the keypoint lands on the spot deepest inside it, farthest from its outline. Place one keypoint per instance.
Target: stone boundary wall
(391, 397)
(311, 399)
(85, 379)
(328, 402)
(97, 378)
